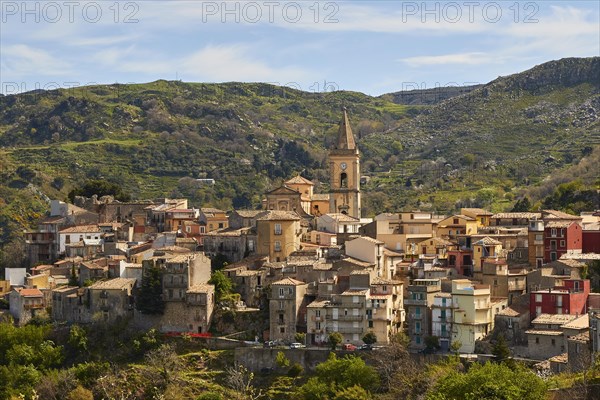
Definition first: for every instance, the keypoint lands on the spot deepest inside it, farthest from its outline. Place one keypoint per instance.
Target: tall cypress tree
(149, 299)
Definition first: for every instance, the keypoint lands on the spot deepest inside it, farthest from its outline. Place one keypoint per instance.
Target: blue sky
(373, 47)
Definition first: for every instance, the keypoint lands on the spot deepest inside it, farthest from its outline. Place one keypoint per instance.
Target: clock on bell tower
(344, 172)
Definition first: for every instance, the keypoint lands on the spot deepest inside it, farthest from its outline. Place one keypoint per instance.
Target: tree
(100, 188)
(281, 360)
(219, 262)
(300, 337)
(500, 350)
(352, 393)
(149, 300)
(455, 346)
(223, 285)
(80, 393)
(522, 205)
(401, 338)
(490, 381)
(334, 339)
(432, 343)
(336, 375)
(369, 338)
(240, 380)
(166, 361)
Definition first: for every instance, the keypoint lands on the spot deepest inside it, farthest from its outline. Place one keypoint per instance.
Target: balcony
(416, 316)
(346, 329)
(317, 319)
(414, 302)
(482, 306)
(350, 317)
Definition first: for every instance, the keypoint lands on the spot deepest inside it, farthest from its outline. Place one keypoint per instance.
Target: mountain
(153, 139)
(428, 96)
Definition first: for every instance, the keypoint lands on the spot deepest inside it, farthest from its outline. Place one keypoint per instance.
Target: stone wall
(257, 358)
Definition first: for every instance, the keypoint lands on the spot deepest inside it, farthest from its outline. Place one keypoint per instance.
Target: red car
(348, 347)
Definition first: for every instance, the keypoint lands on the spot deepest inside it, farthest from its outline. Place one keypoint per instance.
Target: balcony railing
(345, 329)
(416, 316)
(414, 302)
(350, 317)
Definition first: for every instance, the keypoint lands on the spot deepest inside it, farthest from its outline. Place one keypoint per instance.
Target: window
(562, 243)
(455, 221)
(418, 311)
(318, 313)
(282, 329)
(553, 256)
(553, 232)
(343, 180)
(417, 327)
(220, 225)
(370, 324)
(290, 290)
(538, 298)
(278, 229)
(538, 310)
(418, 339)
(318, 325)
(537, 340)
(188, 229)
(277, 245)
(280, 292)
(553, 342)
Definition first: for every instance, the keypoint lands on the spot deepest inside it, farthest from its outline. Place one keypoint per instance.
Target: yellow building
(278, 234)
(486, 247)
(480, 215)
(344, 172)
(455, 226)
(472, 314)
(213, 219)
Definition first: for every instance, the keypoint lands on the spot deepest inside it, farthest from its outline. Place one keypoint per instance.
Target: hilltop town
(307, 265)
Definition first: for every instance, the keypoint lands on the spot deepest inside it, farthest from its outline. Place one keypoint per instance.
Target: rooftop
(581, 322)
(318, 303)
(553, 319)
(288, 282)
(276, 215)
(116, 283)
(546, 332)
(202, 288)
(30, 292)
(476, 211)
(82, 229)
(517, 215)
(299, 180)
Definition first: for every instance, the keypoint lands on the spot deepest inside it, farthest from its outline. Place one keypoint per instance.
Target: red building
(461, 260)
(570, 298)
(591, 241)
(561, 237)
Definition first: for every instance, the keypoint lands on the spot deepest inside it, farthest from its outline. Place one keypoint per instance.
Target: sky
(374, 47)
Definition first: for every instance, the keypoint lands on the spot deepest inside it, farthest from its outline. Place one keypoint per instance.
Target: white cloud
(474, 58)
(234, 62)
(20, 60)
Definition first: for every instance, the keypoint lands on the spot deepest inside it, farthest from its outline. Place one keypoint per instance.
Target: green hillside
(480, 147)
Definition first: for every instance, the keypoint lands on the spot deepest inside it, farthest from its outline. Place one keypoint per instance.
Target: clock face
(343, 165)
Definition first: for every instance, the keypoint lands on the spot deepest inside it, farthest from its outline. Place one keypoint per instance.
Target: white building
(77, 234)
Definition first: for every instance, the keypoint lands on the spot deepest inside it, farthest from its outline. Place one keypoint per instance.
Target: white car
(297, 345)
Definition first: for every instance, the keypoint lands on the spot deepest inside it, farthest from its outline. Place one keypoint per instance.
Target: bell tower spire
(344, 167)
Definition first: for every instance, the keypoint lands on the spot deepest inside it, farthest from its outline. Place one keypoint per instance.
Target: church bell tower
(344, 172)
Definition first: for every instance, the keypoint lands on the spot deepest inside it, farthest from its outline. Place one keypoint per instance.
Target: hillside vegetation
(480, 147)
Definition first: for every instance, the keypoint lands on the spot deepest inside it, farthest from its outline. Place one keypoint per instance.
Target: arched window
(343, 180)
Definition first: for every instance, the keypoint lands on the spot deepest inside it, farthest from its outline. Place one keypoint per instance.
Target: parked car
(269, 344)
(297, 345)
(349, 347)
(367, 347)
